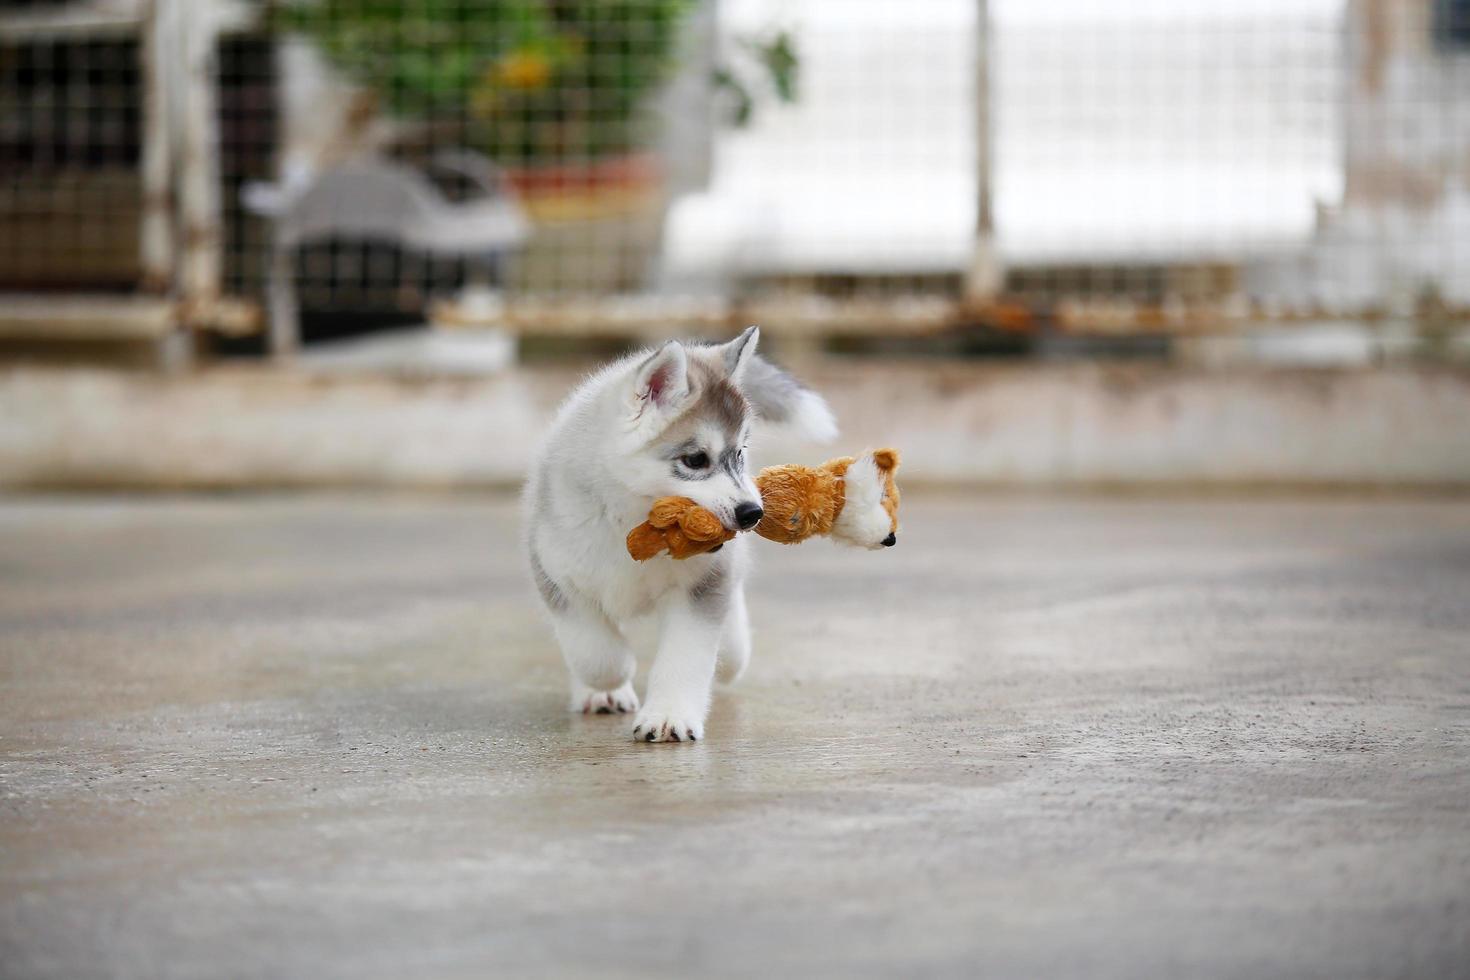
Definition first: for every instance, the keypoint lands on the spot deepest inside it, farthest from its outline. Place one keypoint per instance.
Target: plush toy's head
(869, 518)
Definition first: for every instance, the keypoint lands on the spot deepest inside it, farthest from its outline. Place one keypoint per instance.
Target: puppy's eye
(696, 461)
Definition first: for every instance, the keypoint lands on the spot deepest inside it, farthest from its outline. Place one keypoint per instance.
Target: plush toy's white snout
(864, 521)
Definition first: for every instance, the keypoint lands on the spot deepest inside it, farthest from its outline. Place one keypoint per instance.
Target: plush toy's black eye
(696, 461)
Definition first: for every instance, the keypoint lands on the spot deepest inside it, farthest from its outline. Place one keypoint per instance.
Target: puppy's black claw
(604, 710)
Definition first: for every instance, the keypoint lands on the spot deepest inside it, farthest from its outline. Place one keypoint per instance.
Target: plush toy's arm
(645, 541)
(680, 526)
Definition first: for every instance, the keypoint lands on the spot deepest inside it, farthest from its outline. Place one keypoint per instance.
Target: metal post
(984, 280)
(157, 232)
(283, 307)
(199, 165)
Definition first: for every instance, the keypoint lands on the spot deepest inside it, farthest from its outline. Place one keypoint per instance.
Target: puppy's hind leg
(734, 640)
(591, 644)
(601, 665)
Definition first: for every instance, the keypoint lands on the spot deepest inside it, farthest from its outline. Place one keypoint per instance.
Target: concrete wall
(1021, 426)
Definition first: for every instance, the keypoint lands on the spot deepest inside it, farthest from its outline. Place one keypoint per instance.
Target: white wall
(1179, 130)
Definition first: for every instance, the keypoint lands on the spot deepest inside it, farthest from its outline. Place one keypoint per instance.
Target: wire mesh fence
(70, 184)
(863, 165)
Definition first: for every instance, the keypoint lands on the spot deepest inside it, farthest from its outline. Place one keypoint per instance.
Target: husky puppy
(671, 422)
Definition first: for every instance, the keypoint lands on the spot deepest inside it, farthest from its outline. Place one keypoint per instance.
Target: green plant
(738, 80)
(528, 80)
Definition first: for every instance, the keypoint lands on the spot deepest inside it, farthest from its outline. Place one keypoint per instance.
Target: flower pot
(596, 225)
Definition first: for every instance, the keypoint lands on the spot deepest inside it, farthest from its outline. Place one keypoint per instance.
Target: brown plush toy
(855, 501)
(680, 526)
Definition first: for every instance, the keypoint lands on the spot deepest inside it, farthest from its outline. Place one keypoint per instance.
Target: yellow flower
(523, 69)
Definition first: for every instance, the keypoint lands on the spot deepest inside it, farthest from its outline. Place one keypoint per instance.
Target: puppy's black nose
(748, 515)
(890, 541)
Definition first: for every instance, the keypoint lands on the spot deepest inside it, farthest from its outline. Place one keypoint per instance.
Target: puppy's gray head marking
(726, 407)
(720, 407)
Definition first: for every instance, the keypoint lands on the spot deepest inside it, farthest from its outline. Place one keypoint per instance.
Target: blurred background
(1166, 304)
(277, 231)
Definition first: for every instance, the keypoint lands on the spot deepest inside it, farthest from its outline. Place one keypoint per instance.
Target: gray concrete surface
(1056, 737)
(1010, 425)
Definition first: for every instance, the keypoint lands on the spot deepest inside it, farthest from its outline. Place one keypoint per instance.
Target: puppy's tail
(781, 399)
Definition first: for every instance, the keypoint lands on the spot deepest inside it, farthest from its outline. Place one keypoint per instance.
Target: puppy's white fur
(621, 440)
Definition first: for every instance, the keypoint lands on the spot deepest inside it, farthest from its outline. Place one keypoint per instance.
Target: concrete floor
(1041, 738)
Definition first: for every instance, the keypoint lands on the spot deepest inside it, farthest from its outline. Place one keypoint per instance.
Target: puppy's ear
(662, 380)
(886, 459)
(739, 352)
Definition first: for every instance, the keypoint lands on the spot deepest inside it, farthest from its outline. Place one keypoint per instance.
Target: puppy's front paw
(589, 701)
(653, 725)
